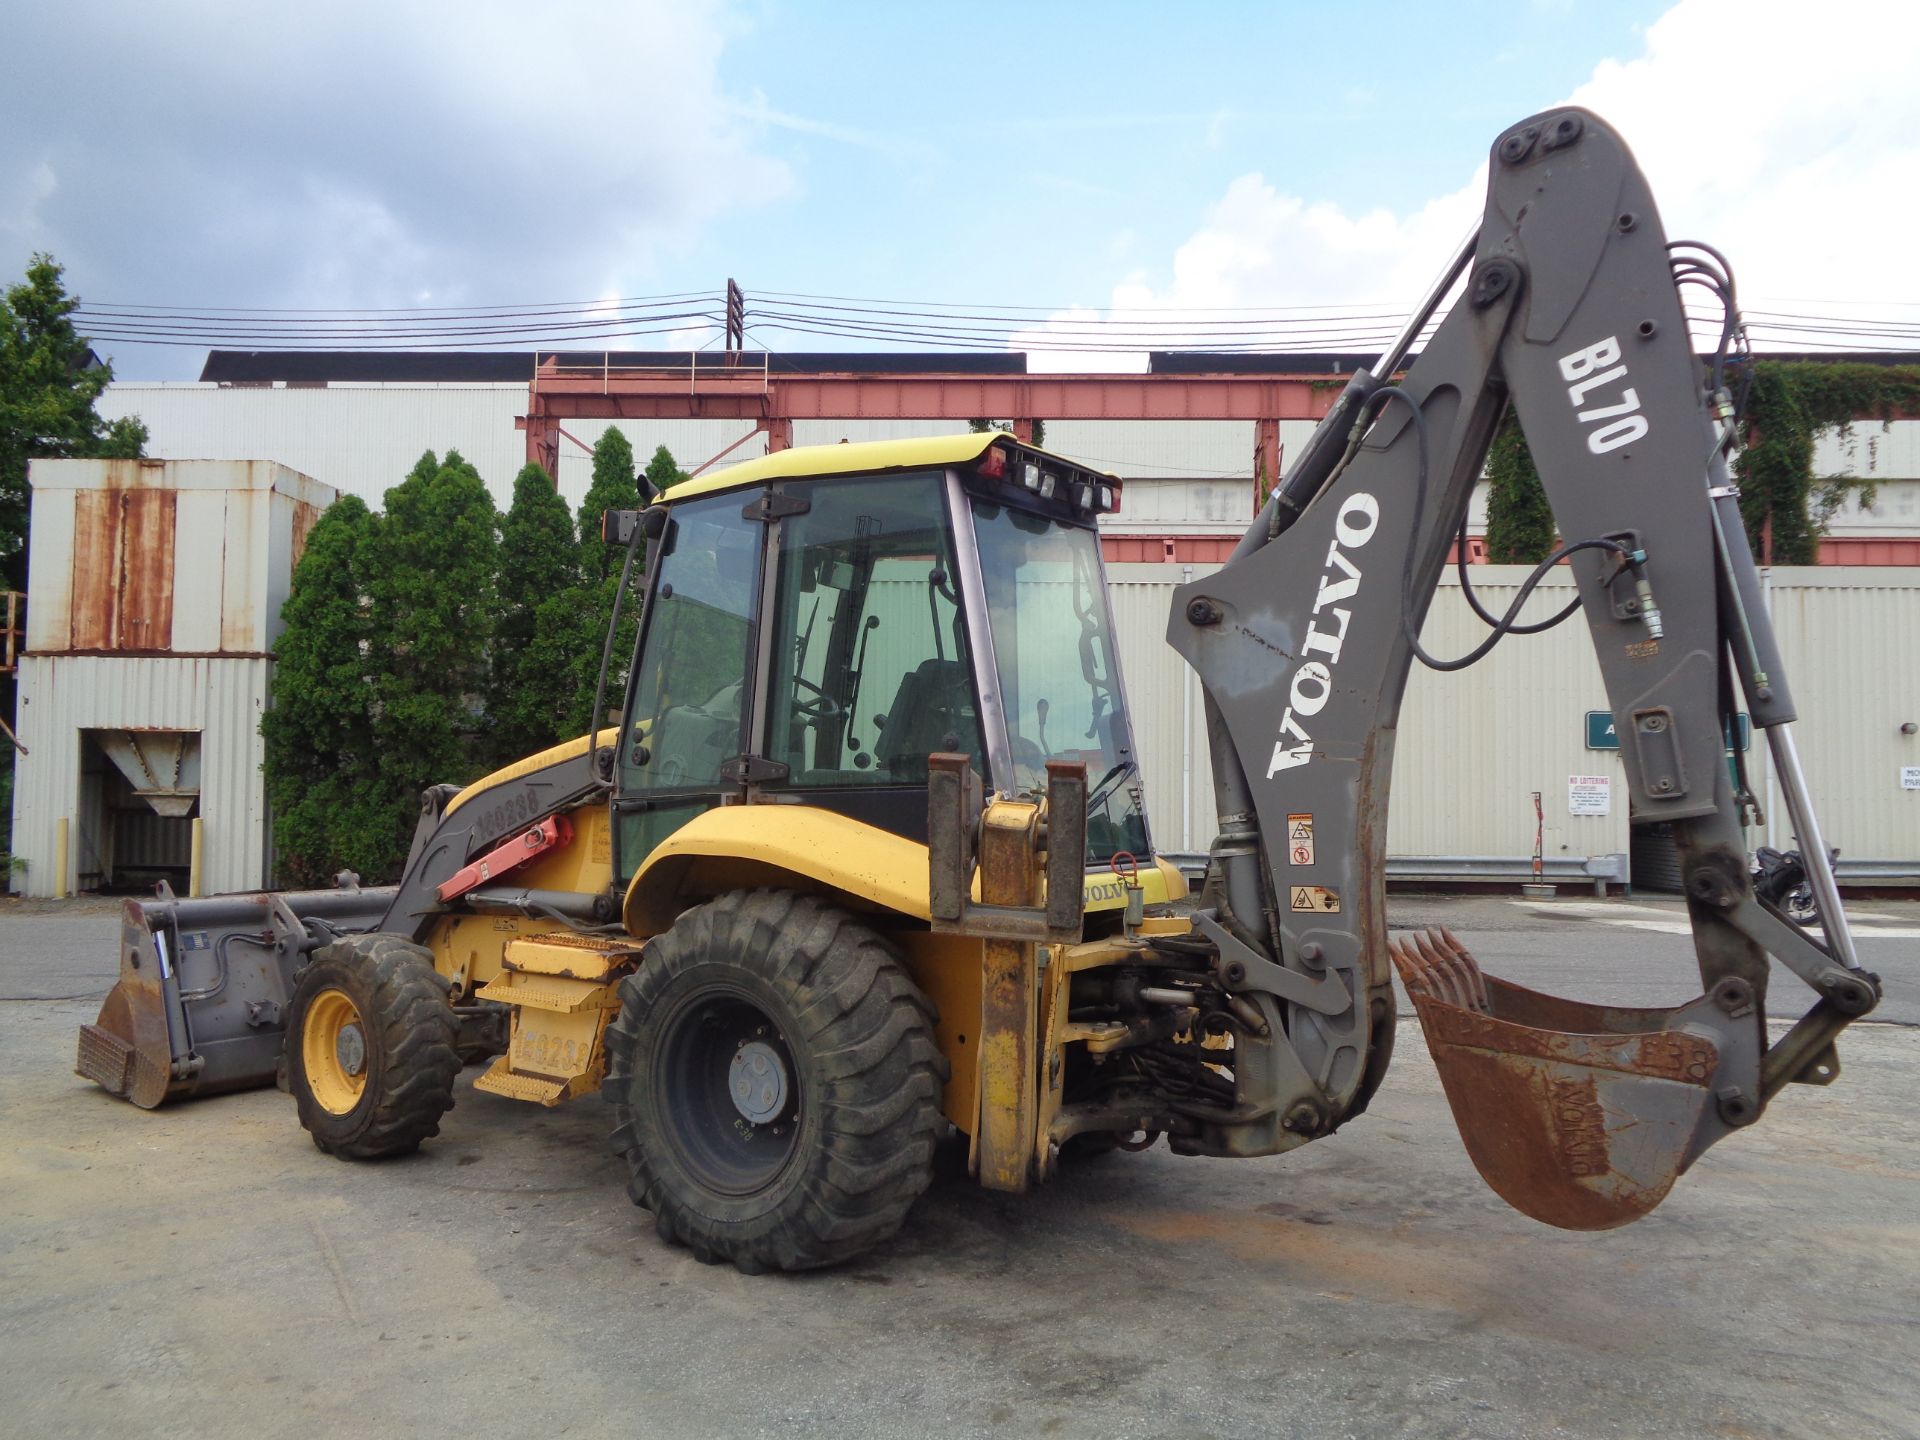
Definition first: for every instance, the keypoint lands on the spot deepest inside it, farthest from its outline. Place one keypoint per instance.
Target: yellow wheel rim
(333, 1051)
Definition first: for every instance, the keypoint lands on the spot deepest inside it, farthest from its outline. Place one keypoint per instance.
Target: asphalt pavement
(203, 1271)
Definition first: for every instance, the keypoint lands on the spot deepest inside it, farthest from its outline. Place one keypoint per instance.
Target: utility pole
(736, 321)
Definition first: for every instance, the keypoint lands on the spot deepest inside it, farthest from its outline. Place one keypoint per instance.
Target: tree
(581, 631)
(431, 584)
(383, 670)
(49, 381)
(612, 488)
(663, 473)
(323, 775)
(531, 700)
(1520, 528)
(1785, 505)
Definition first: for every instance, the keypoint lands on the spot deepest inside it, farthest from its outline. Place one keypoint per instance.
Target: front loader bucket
(203, 988)
(126, 1050)
(1581, 1116)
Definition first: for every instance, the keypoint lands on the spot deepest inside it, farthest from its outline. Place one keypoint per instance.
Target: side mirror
(617, 526)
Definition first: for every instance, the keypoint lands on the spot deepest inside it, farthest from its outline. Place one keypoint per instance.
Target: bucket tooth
(1581, 1116)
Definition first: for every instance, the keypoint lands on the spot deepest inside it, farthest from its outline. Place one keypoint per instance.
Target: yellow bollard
(193, 865)
(60, 858)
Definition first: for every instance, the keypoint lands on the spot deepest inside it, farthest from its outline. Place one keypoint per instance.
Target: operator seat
(933, 710)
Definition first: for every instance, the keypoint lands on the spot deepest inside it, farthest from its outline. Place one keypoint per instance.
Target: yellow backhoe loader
(866, 855)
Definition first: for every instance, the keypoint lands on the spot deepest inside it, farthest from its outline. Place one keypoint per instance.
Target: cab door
(689, 700)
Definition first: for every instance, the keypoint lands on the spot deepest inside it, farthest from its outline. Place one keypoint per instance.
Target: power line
(1065, 329)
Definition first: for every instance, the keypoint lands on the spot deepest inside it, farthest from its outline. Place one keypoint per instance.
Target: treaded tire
(860, 1083)
(411, 1042)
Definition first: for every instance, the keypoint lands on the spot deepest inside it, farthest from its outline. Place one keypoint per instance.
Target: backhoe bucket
(203, 990)
(1581, 1116)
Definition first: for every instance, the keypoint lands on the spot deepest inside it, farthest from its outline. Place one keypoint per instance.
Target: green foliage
(47, 393)
(323, 773)
(580, 633)
(383, 671)
(613, 488)
(1520, 528)
(662, 472)
(10, 863)
(1785, 506)
(431, 582)
(1790, 403)
(531, 697)
(592, 608)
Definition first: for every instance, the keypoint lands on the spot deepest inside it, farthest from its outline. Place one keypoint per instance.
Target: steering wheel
(821, 706)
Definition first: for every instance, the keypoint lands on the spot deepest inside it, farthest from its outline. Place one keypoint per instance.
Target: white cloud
(366, 154)
(1789, 138)
(24, 188)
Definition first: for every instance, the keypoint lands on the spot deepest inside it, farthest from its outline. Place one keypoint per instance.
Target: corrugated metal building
(1472, 748)
(153, 600)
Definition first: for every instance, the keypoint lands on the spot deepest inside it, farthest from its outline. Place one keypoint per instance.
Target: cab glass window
(1053, 641)
(688, 696)
(871, 670)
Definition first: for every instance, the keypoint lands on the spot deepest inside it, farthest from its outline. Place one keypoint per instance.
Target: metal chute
(162, 766)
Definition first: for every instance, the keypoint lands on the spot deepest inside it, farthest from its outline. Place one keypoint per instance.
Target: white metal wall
(1851, 639)
(363, 439)
(1473, 747)
(60, 696)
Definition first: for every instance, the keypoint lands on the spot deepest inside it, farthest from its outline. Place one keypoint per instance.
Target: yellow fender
(739, 847)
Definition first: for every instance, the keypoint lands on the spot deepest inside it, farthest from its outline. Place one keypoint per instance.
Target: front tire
(775, 1083)
(372, 1047)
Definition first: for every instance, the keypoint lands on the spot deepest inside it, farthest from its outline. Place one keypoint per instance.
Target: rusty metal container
(153, 602)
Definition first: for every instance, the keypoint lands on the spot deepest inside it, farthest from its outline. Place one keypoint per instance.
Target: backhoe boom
(1571, 313)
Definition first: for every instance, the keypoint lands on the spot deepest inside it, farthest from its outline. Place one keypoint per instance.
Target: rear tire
(775, 1083)
(372, 1047)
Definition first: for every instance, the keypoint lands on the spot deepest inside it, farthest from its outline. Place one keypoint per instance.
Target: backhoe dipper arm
(1578, 1115)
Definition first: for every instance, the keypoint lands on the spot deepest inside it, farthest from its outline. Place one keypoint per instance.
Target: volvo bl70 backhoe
(865, 856)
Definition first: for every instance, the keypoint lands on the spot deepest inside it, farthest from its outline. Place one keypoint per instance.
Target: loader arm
(1578, 1115)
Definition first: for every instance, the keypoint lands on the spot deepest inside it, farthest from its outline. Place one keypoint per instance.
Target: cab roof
(869, 457)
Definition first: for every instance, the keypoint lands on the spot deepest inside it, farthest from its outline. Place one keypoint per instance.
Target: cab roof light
(1083, 496)
(1107, 498)
(1046, 487)
(1030, 475)
(993, 463)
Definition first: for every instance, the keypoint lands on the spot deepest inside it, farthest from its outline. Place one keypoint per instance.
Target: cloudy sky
(1062, 159)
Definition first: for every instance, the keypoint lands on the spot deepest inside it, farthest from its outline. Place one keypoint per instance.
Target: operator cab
(819, 622)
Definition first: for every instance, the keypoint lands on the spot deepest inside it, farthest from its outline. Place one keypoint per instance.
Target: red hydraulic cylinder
(550, 834)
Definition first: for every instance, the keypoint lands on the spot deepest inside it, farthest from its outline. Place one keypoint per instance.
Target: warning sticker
(1315, 897)
(1300, 840)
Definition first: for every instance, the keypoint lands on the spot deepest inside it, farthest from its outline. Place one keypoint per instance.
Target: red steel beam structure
(772, 400)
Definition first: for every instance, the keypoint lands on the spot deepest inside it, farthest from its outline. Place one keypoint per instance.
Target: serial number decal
(1594, 369)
